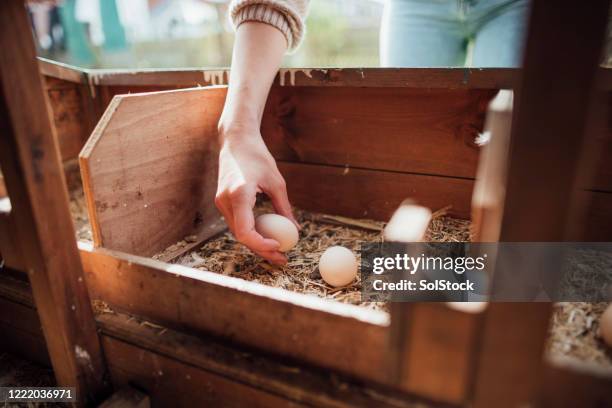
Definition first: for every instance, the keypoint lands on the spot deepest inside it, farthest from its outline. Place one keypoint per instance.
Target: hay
(80, 216)
(226, 256)
(16, 372)
(575, 333)
(574, 330)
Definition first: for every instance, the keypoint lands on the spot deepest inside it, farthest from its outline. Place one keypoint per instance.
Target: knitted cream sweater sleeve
(286, 15)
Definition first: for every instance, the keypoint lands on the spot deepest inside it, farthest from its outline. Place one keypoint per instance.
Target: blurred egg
(278, 228)
(605, 325)
(338, 266)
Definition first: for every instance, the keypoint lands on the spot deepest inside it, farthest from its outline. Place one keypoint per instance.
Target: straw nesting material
(80, 216)
(575, 333)
(226, 256)
(574, 328)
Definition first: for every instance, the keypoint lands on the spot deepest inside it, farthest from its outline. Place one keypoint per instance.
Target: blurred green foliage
(331, 39)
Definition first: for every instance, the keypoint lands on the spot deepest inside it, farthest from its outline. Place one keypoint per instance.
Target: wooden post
(548, 135)
(489, 188)
(31, 164)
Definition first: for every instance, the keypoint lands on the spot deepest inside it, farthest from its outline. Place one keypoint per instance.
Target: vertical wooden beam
(489, 187)
(431, 346)
(563, 49)
(31, 164)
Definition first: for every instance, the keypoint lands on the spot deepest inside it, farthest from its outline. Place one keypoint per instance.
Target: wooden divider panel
(149, 169)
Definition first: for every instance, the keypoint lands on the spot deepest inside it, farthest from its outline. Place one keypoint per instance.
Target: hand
(246, 168)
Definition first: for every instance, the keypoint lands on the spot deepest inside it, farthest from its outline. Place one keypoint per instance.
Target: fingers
(225, 208)
(237, 210)
(244, 226)
(274, 257)
(280, 201)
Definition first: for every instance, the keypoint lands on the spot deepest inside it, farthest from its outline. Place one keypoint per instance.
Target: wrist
(238, 120)
(238, 131)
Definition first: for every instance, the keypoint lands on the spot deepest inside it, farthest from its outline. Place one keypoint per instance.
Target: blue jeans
(444, 33)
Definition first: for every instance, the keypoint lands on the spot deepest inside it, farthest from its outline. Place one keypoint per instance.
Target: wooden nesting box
(149, 172)
(349, 142)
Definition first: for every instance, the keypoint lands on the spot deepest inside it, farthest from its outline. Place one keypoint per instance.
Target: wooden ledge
(229, 368)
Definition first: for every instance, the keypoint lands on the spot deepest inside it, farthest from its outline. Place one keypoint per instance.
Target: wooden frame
(38, 216)
(135, 124)
(132, 283)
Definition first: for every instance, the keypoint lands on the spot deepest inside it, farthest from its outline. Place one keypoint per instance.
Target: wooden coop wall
(299, 119)
(316, 114)
(150, 167)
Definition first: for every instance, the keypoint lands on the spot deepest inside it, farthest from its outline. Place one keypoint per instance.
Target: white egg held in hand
(278, 228)
(338, 266)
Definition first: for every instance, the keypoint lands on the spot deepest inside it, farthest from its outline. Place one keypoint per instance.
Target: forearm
(257, 56)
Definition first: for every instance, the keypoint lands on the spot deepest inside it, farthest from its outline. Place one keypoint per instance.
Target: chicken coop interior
(121, 276)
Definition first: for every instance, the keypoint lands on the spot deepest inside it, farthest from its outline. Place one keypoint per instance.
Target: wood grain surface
(31, 164)
(314, 330)
(372, 194)
(260, 374)
(149, 169)
(427, 131)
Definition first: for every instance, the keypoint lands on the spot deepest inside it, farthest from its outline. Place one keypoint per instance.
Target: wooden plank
(598, 176)
(489, 188)
(12, 254)
(571, 383)
(26, 345)
(291, 381)
(353, 127)
(170, 383)
(59, 70)
(484, 78)
(547, 98)
(3, 192)
(432, 347)
(16, 290)
(127, 397)
(20, 317)
(399, 129)
(464, 78)
(108, 92)
(598, 220)
(603, 177)
(68, 116)
(547, 139)
(21, 332)
(372, 194)
(279, 377)
(440, 354)
(152, 160)
(511, 352)
(317, 331)
(30, 161)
